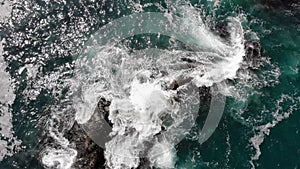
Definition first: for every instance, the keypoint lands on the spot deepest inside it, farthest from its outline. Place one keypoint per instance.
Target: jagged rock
(252, 47)
(253, 53)
(103, 107)
(221, 30)
(144, 164)
(90, 155)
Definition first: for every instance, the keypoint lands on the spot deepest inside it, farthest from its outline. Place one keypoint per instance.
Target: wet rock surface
(253, 50)
(253, 54)
(221, 30)
(103, 108)
(90, 155)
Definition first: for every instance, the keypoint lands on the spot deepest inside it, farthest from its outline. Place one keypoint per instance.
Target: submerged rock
(278, 3)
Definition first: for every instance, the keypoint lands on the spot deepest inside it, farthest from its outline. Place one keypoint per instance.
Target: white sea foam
(144, 105)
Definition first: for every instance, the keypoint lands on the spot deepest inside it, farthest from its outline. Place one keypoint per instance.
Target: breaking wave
(140, 85)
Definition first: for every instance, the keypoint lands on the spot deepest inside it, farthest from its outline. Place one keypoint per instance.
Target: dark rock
(188, 60)
(90, 155)
(205, 95)
(103, 106)
(253, 53)
(174, 85)
(253, 49)
(144, 164)
(221, 30)
(205, 99)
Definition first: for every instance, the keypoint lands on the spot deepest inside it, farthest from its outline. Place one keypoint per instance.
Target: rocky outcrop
(90, 155)
(253, 53)
(221, 30)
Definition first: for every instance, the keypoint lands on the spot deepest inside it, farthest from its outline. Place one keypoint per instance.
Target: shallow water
(47, 85)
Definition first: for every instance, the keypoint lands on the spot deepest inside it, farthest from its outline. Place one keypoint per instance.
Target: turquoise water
(252, 132)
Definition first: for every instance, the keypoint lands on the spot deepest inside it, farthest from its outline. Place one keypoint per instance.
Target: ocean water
(54, 69)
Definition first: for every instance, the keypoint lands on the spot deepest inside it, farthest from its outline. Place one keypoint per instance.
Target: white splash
(147, 101)
(140, 95)
(136, 120)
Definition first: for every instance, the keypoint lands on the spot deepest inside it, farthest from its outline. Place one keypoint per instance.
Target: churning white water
(143, 105)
